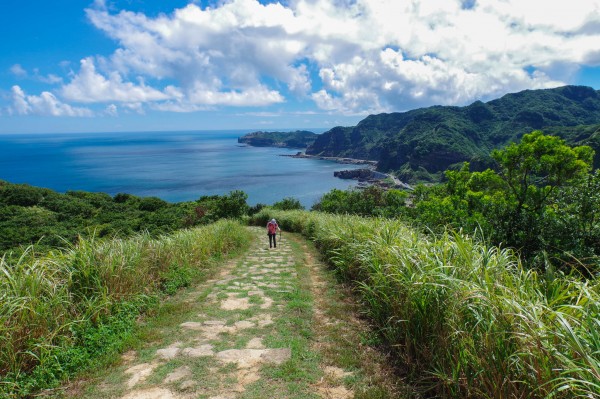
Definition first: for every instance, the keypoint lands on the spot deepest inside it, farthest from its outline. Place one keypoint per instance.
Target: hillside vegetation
(59, 313)
(542, 200)
(484, 286)
(465, 319)
(296, 139)
(426, 141)
(47, 219)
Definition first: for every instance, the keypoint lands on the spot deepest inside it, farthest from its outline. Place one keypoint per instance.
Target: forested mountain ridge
(434, 138)
(296, 139)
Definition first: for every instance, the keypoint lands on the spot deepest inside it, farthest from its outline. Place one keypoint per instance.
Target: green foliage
(296, 139)
(46, 219)
(288, 204)
(538, 165)
(372, 201)
(256, 208)
(211, 208)
(152, 204)
(580, 135)
(60, 312)
(422, 143)
(465, 319)
(176, 277)
(533, 203)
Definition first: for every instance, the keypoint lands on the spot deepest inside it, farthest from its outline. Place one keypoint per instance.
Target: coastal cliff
(427, 141)
(296, 139)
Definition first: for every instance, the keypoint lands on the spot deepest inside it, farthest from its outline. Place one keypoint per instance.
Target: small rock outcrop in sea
(359, 174)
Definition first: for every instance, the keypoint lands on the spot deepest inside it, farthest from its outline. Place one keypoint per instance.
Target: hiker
(272, 228)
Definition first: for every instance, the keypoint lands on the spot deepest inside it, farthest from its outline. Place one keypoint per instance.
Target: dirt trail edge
(270, 325)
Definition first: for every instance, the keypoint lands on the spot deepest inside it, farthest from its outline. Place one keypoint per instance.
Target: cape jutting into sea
(174, 166)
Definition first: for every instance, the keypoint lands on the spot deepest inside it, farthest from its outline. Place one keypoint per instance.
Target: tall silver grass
(466, 318)
(40, 298)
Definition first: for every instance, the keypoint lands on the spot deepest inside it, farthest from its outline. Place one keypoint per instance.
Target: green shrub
(464, 318)
(288, 204)
(48, 220)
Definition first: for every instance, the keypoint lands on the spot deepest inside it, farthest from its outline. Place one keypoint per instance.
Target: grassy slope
(466, 318)
(59, 313)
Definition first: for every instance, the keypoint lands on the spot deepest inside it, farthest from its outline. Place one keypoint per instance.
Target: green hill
(296, 139)
(435, 138)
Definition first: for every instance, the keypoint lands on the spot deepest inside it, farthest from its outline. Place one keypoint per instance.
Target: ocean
(174, 166)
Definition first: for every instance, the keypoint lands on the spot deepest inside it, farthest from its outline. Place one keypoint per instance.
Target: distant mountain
(432, 139)
(297, 139)
(580, 135)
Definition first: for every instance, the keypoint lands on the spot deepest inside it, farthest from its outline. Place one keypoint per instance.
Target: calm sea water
(174, 166)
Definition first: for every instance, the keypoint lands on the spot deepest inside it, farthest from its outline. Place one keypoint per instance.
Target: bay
(174, 166)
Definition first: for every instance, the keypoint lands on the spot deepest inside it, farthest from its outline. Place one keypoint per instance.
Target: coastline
(342, 160)
(366, 177)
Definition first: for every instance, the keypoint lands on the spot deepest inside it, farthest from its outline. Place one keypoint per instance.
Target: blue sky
(138, 65)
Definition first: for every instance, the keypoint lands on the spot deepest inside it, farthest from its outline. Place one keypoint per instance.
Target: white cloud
(89, 86)
(111, 110)
(18, 71)
(137, 108)
(370, 55)
(49, 79)
(45, 104)
(347, 56)
(439, 53)
(20, 104)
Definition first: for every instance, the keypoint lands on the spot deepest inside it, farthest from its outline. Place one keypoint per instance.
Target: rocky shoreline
(369, 177)
(347, 161)
(366, 176)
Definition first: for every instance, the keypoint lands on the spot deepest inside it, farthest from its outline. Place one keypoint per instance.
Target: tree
(533, 170)
(538, 165)
(288, 204)
(541, 199)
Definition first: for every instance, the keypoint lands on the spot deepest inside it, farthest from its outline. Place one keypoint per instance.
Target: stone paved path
(234, 331)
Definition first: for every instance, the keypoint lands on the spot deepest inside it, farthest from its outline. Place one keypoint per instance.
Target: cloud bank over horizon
(349, 57)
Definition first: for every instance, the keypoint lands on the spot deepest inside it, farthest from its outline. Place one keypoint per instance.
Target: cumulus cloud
(346, 56)
(365, 56)
(89, 86)
(430, 52)
(217, 56)
(45, 104)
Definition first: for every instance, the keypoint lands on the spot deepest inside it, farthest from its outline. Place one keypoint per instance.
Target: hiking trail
(267, 325)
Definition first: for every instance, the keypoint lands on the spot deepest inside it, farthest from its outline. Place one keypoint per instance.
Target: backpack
(272, 227)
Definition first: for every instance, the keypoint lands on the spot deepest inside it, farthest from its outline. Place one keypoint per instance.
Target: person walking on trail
(272, 229)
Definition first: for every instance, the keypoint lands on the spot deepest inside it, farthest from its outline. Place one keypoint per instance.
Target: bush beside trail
(61, 312)
(465, 319)
(47, 220)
